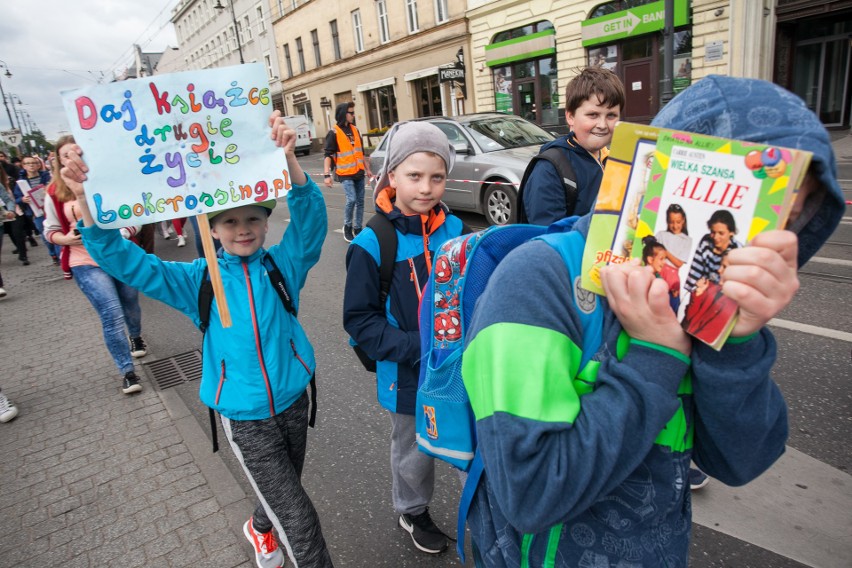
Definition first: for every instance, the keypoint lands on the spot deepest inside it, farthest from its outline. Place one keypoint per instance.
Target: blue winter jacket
(260, 365)
(588, 467)
(544, 194)
(390, 333)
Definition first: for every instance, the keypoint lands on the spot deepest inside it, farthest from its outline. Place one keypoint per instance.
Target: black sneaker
(138, 347)
(358, 231)
(347, 233)
(32, 241)
(130, 384)
(426, 536)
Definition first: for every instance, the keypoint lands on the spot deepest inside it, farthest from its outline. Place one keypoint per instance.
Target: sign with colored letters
(177, 145)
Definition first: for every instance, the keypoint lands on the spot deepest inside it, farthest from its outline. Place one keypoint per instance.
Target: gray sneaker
(425, 534)
(267, 553)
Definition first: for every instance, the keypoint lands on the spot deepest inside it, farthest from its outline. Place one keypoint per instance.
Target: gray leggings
(413, 472)
(272, 453)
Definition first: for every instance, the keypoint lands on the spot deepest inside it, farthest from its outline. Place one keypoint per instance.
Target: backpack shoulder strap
(279, 284)
(386, 236)
(557, 157)
(205, 300)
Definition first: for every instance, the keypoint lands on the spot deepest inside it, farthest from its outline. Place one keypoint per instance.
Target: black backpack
(386, 237)
(205, 302)
(558, 158)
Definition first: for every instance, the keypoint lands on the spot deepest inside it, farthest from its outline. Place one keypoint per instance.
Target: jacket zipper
(257, 342)
(221, 382)
(299, 357)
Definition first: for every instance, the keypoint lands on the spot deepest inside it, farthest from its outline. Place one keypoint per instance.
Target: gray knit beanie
(406, 138)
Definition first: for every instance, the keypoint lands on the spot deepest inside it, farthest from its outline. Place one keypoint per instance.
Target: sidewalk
(90, 476)
(841, 141)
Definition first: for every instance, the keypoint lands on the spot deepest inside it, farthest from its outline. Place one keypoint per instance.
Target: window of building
(382, 12)
(301, 54)
(261, 22)
(288, 60)
(247, 28)
(411, 16)
(441, 14)
(280, 7)
(381, 107)
(233, 35)
(267, 59)
(616, 6)
(428, 91)
(335, 39)
(315, 41)
(358, 31)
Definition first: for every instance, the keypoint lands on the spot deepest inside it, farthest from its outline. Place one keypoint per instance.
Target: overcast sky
(51, 46)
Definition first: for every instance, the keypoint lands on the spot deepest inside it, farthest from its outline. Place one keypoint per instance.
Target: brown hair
(594, 81)
(63, 192)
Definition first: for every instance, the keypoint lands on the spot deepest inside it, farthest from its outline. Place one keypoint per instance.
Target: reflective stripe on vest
(349, 160)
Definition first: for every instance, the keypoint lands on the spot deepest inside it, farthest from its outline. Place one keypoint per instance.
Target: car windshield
(499, 133)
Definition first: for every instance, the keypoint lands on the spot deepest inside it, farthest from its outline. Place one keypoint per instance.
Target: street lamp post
(219, 7)
(12, 97)
(3, 94)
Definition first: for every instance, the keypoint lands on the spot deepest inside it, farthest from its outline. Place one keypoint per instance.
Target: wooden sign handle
(213, 269)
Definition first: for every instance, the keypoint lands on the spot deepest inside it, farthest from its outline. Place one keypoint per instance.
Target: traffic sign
(11, 137)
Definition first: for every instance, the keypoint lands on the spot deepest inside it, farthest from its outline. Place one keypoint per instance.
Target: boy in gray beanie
(385, 327)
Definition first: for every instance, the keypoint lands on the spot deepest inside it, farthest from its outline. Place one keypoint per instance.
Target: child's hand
(640, 301)
(282, 134)
(762, 279)
(74, 169)
(700, 286)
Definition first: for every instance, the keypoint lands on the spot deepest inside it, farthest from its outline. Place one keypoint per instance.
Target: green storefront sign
(632, 22)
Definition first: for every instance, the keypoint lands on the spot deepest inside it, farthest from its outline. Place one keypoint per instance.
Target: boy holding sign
(256, 372)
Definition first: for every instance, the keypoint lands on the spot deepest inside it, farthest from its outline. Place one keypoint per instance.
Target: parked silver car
(492, 152)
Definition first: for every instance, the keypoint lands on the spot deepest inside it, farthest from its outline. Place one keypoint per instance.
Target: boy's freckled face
(592, 123)
(242, 231)
(419, 181)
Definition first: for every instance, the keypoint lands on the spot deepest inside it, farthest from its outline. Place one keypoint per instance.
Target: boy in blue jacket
(588, 467)
(256, 372)
(409, 192)
(593, 103)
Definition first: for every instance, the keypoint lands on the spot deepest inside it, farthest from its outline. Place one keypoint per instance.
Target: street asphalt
(90, 477)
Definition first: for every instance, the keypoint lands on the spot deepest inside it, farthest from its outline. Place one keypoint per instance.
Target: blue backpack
(444, 420)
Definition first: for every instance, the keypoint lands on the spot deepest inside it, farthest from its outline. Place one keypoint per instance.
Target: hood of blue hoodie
(763, 112)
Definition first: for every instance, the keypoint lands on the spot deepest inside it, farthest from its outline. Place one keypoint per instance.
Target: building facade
(403, 59)
(219, 33)
(386, 56)
(522, 60)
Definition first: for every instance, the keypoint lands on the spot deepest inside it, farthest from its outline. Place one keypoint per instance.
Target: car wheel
(499, 204)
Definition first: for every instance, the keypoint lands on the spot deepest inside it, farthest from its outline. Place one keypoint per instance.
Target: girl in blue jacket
(256, 372)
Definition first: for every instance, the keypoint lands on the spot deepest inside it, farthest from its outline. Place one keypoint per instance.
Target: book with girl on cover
(724, 191)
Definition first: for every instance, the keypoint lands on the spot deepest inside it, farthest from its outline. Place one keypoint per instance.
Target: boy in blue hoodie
(409, 192)
(256, 372)
(593, 103)
(593, 471)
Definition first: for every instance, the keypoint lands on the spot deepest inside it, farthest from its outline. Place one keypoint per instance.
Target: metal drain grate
(175, 370)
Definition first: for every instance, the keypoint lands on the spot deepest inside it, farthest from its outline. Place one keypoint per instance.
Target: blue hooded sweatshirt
(593, 471)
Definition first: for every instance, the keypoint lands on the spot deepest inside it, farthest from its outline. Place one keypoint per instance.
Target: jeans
(117, 305)
(51, 248)
(354, 189)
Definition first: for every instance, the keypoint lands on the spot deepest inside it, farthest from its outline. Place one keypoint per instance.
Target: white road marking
(812, 329)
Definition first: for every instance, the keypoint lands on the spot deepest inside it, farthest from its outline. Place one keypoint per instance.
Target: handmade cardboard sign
(176, 145)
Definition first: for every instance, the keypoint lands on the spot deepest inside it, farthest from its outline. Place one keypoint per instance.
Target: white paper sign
(177, 145)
